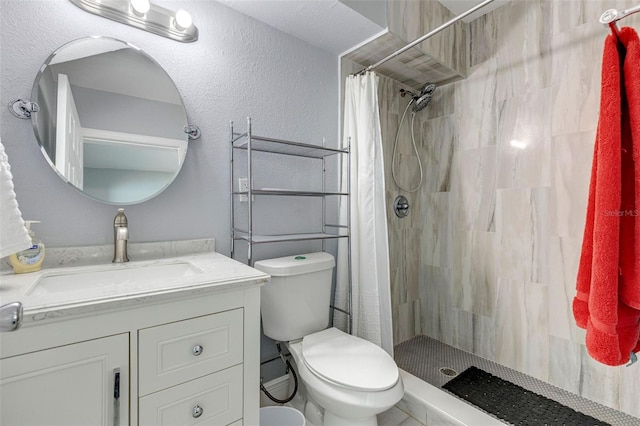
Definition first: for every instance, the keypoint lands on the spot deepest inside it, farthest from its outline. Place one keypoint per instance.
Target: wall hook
(193, 131)
(22, 109)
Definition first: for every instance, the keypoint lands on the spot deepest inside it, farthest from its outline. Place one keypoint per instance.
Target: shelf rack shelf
(261, 239)
(281, 146)
(289, 192)
(253, 144)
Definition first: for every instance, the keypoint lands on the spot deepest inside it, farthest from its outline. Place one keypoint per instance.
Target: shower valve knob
(401, 206)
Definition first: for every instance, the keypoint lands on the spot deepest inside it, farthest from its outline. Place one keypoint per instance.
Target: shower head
(423, 99)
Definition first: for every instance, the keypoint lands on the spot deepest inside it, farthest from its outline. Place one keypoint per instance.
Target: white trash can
(278, 415)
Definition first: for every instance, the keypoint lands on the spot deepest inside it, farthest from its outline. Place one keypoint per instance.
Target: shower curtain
(371, 292)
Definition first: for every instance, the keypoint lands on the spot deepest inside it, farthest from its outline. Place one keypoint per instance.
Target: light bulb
(183, 19)
(140, 7)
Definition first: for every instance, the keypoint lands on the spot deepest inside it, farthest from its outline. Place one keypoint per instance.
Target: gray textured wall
(239, 67)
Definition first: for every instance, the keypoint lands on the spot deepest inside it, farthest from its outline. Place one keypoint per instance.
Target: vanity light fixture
(144, 15)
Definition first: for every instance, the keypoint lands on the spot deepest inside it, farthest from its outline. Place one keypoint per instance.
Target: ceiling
(327, 24)
(330, 24)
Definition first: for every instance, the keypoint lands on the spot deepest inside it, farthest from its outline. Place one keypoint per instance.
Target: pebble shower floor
(425, 357)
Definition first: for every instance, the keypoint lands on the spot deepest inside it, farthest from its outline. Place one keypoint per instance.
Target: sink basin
(110, 276)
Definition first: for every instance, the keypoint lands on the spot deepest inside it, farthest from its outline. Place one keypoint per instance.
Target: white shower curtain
(371, 293)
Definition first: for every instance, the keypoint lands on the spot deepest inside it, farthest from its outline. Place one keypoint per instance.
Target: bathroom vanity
(170, 341)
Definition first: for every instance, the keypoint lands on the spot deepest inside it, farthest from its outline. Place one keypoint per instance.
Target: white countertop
(208, 272)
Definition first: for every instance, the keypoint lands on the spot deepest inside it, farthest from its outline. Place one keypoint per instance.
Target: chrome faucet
(120, 237)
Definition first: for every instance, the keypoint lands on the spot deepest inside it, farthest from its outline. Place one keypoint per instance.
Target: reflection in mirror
(111, 121)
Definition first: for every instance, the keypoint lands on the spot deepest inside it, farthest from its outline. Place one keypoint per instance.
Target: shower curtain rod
(611, 16)
(426, 36)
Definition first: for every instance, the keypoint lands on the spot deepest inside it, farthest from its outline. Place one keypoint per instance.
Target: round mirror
(111, 121)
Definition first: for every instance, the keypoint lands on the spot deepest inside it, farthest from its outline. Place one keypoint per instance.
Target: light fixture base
(157, 20)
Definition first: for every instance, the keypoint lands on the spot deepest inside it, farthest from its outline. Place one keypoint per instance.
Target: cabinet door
(68, 385)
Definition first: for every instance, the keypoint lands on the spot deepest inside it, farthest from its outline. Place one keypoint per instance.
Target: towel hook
(22, 109)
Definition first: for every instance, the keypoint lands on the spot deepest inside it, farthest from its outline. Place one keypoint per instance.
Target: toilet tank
(296, 300)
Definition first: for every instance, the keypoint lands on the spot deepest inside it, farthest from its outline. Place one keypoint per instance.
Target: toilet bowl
(351, 378)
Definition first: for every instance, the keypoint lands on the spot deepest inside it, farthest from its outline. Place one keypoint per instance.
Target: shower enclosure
(486, 260)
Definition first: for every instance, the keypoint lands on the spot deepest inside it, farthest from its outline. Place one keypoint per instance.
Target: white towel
(13, 234)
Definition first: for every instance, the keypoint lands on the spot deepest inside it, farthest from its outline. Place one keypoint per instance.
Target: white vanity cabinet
(79, 384)
(184, 356)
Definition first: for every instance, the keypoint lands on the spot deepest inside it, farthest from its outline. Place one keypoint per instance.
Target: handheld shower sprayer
(422, 100)
(419, 102)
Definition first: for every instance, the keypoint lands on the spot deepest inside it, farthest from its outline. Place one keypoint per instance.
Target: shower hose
(415, 149)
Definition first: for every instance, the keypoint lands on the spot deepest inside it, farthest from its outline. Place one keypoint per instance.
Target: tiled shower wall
(487, 259)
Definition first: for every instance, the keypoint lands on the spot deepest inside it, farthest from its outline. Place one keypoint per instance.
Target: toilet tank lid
(297, 264)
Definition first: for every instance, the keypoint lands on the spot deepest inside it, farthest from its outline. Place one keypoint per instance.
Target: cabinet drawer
(175, 353)
(215, 399)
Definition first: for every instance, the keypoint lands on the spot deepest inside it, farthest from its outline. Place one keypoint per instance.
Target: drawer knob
(197, 350)
(197, 411)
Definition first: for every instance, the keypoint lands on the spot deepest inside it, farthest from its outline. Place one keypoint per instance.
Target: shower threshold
(436, 363)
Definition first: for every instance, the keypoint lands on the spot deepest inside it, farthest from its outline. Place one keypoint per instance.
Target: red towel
(607, 302)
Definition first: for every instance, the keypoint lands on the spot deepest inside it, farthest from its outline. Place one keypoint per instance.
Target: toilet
(352, 379)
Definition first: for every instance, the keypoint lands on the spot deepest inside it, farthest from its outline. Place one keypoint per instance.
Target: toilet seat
(349, 361)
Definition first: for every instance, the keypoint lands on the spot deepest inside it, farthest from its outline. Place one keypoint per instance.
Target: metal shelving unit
(254, 144)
